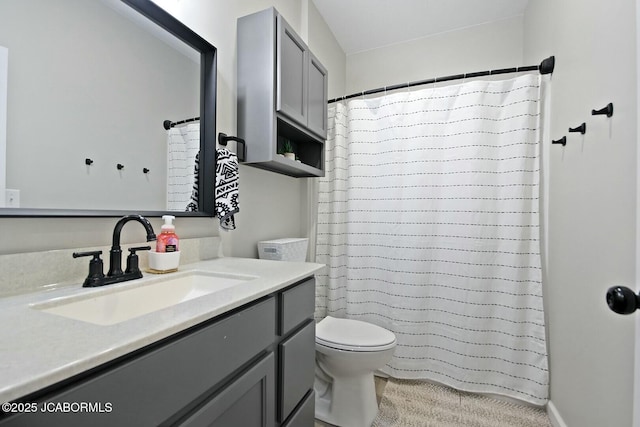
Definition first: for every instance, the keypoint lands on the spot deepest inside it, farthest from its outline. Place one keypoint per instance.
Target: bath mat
(409, 403)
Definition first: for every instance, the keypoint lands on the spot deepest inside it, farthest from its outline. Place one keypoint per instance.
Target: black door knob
(622, 300)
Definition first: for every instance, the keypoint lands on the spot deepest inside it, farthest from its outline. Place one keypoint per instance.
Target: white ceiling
(361, 25)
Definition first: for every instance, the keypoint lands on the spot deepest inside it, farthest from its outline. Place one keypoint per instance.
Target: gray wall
(592, 203)
(481, 47)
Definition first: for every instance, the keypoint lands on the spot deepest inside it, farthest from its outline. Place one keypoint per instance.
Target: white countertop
(38, 349)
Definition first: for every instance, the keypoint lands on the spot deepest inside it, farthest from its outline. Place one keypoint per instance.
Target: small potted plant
(288, 150)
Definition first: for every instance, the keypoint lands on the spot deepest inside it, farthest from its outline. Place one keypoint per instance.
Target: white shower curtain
(429, 223)
(183, 143)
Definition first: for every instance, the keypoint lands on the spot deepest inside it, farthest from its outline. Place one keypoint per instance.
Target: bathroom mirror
(88, 87)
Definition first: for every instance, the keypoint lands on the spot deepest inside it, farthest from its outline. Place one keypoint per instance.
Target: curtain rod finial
(547, 65)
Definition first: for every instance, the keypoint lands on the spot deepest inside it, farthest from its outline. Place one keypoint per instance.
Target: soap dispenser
(167, 240)
(166, 257)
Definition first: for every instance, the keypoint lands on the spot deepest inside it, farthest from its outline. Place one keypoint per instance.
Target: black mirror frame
(208, 76)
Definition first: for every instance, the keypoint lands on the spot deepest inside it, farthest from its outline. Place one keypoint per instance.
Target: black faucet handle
(96, 276)
(94, 254)
(132, 260)
(139, 248)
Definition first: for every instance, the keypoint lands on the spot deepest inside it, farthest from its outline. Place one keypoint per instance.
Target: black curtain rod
(545, 67)
(168, 124)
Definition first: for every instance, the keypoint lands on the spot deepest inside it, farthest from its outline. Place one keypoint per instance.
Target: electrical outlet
(12, 198)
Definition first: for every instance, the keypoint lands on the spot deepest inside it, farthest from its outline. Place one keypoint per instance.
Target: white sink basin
(119, 304)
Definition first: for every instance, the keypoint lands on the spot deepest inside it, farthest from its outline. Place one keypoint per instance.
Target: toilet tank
(289, 249)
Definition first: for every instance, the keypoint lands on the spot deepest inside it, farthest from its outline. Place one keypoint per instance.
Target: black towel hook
(88, 161)
(582, 128)
(562, 141)
(608, 110)
(120, 166)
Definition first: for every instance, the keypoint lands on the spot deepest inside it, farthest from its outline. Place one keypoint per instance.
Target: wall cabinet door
(292, 67)
(317, 97)
(302, 87)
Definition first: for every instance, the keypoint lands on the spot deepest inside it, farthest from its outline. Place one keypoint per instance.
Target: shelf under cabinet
(288, 167)
(308, 148)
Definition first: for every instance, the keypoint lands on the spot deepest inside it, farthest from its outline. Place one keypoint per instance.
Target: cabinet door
(317, 108)
(304, 414)
(248, 401)
(297, 363)
(292, 73)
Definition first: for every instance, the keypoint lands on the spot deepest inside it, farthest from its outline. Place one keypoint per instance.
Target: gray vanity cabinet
(253, 367)
(296, 348)
(247, 402)
(282, 96)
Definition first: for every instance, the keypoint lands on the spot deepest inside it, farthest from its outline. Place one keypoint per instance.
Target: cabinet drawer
(297, 366)
(305, 414)
(247, 402)
(151, 388)
(296, 305)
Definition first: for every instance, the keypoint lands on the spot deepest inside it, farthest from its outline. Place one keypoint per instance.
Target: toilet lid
(353, 335)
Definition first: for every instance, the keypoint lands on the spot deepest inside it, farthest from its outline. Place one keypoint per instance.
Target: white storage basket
(284, 249)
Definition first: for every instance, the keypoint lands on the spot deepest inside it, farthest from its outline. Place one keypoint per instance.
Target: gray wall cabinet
(253, 367)
(282, 96)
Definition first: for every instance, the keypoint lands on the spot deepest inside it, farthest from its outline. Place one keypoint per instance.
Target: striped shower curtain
(183, 144)
(429, 225)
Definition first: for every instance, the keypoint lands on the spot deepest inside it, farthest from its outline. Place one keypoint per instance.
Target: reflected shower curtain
(429, 225)
(183, 144)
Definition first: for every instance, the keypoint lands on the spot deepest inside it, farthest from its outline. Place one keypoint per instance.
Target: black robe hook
(608, 110)
(562, 141)
(582, 128)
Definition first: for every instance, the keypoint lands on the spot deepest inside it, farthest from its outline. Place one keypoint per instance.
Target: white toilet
(347, 353)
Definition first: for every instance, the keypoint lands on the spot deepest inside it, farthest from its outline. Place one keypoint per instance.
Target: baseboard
(554, 415)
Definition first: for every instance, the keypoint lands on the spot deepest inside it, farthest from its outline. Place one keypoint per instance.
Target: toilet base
(347, 402)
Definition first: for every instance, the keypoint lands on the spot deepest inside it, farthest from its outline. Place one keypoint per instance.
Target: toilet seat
(353, 335)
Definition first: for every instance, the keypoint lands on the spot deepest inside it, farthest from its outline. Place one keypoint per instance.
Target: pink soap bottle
(167, 240)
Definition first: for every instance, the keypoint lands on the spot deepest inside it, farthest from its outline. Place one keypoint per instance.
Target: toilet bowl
(347, 353)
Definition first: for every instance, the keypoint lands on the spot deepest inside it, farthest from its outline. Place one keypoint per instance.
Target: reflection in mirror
(89, 85)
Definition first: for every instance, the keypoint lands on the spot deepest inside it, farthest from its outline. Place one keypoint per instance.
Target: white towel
(226, 188)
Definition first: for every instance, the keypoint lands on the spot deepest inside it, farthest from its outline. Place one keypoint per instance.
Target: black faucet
(115, 254)
(115, 275)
